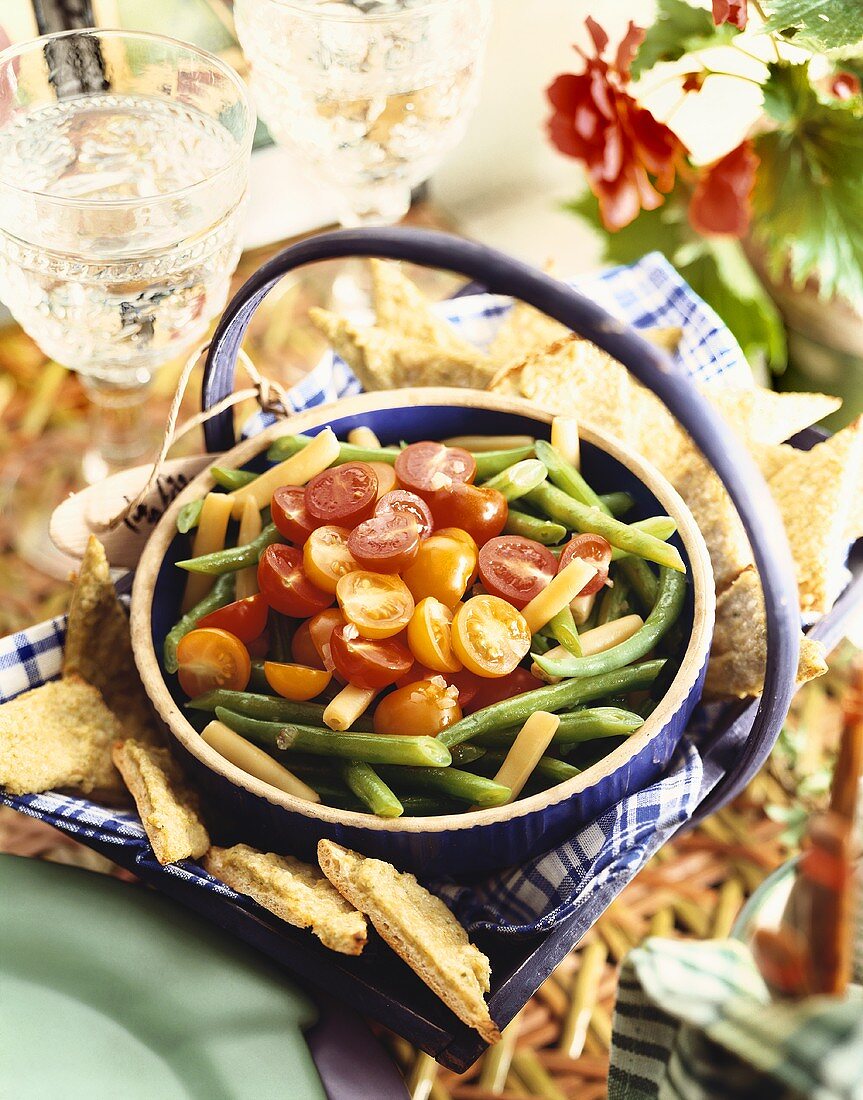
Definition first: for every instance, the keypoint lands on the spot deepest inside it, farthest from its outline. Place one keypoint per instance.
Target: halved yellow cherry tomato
(489, 636)
(430, 636)
(378, 604)
(442, 568)
(386, 476)
(326, 557)
(296, 682)
(424, 707)
(210, 658)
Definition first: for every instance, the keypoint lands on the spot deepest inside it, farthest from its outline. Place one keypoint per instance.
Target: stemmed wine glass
(372, 93)
(123, 169)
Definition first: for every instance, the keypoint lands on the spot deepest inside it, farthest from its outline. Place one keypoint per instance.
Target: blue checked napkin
(602, 855)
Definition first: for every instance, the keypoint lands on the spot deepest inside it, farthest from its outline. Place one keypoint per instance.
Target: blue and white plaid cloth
(610, 850)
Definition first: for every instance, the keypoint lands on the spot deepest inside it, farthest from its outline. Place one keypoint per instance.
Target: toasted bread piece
(419, 928)
(403, 310)
(524, 331)
(765, 416)
(59, 735)
(296, 892)
(99, 648)
(815, 491)
(168, 807)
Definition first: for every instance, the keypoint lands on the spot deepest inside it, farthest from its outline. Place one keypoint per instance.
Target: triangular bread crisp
(167, 806)
(765, 416)
(99, 647)
(59, 735)
(295, 892)
(419, 928)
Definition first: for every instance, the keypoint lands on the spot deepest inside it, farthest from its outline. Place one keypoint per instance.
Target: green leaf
(808, 198)
(678, 29)
(715, 267)
(819, 25)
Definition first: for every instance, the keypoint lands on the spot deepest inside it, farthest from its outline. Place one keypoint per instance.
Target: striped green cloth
(695, 1021)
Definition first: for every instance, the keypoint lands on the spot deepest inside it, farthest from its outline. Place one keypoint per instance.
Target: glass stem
(117, 420)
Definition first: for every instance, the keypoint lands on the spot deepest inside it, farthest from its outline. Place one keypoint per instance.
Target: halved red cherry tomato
(303, 649)
(342, 494)
(386, 476)
(245, 619)
(478, 511)
(425, 707)
(290, 515)
(285, 586)
(430, 636)
(210, 658)
(327, 557)
(385, 543)
(378, 604)
(516, 568)
(366, 663)
(595, 550)
(443, 568)
(408, 503)
(476, 692)
(489, 636)
(296, 682)
(426, 467)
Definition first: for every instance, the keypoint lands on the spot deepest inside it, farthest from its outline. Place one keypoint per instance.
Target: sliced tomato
(430, 636)
(478, 511)
(290, 515)
(418, 671)
(366, 663)
(259, 647)
(245, 619)
(443, 568)
(426, 467)
(344, 495)
(386, 476)
(297, 682)
(327, 557)
(476, 692)
(424, 707)
(516, 568)
(321, 627)
(595, 550)
(303, 649)
(210, 658)
(405, 502)
(285, 586)
(378, 604)
(386, 543)
(489, 636)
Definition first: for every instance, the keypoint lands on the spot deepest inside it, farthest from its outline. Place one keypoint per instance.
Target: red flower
(730, 11)
(622, 145)
(845, 85)
(721, 200)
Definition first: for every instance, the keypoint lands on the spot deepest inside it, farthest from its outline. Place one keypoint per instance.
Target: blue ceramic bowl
(468, 843)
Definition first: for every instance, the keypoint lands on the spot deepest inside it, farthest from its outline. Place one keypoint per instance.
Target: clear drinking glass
(373, 93)
(123, 169)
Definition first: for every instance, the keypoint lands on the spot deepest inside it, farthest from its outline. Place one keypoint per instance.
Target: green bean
(558, 506)
(552, 697)
(234, 558)
(370, 789)
(280, 638)
(269, 708)
(288, 445)
(372, 748)
(465, 786)
(549, 767)
(616, 504)
(231, 479)
(565, 631)
(426, 805)
(567, 478)
(188, 516)
(531, 527)
(518, 479)
(590, 724)
(541, 643)
(332, 794)
(221, 593)
(666, 610)
(642, 580)
(490, 463)
(614, 603)
(661, 527)
(466, 754)
(258, 680)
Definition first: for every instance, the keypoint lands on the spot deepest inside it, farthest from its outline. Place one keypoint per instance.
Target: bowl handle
(502, 274)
